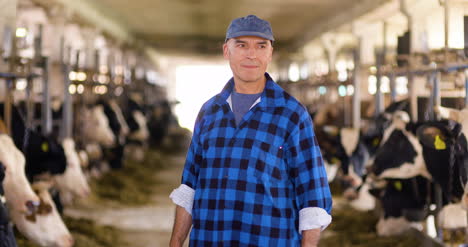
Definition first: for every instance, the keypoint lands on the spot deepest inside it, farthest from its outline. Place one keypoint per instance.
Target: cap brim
(249, 33)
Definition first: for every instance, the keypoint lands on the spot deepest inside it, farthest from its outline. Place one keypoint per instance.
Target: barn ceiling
(199, 26)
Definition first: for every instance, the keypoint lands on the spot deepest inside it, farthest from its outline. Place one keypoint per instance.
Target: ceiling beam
(90, 11)
(328, 24)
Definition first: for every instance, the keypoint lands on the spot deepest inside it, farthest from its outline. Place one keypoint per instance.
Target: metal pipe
(7, 107)
(67, 111)
(38, 45)
(393, 92)
(427, 69)
(29, 102)
(380, 61)
(46, 108)
(357, 87)
(42, 62)
(411, 89)
(9, 82)
(465, 27)
(466, 87)
(7, 42)
(385, 31)
(446, 27)
(436, 93)
(378, 93)
(404, 11)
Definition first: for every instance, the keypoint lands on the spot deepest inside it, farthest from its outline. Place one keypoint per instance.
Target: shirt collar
(272, 96)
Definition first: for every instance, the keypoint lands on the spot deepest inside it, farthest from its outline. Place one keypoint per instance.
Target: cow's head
(118, 111)
(73, 180)
(142, 133)
(41, 223)
(96, 126)
(34, 214)
(44, 155)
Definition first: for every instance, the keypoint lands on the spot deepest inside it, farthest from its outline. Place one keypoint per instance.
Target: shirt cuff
(313, 218)
(183, 196)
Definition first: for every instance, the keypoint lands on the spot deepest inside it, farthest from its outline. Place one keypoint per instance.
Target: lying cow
(34, 215)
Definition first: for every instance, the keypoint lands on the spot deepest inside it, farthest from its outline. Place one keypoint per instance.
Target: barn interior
(358, 66)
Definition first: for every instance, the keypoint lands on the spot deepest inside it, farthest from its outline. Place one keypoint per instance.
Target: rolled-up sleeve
(308, 174)
(183, 196)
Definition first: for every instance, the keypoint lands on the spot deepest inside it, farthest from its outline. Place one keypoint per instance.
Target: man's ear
(270, 56)
(225, 51)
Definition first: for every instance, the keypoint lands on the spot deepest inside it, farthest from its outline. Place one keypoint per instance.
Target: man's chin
(251, 79)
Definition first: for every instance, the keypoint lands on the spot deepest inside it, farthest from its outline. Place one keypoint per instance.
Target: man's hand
(310, 238)
(182, 224)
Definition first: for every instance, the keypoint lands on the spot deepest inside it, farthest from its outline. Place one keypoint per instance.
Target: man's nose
(251, 52)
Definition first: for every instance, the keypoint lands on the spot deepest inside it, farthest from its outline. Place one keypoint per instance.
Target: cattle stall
(405, 82)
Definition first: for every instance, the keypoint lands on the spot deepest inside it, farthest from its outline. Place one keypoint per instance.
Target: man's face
(248, 57)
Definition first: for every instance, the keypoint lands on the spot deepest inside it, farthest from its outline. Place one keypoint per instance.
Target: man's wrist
(310, 238)
(175, 242)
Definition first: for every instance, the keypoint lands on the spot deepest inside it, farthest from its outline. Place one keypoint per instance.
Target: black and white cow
(137, 124)
(159, 121)
(435, 150)
(136, 120)
(455, 184)
(46, 156)
(7, 237)
(43, 154)
(34, 214)
(114, 154)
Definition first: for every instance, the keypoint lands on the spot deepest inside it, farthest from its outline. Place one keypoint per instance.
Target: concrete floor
(146, 226)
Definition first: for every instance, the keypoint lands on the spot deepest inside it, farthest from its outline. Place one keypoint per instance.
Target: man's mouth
(250, 66)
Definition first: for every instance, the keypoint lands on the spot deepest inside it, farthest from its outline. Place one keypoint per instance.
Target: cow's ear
(432, 137)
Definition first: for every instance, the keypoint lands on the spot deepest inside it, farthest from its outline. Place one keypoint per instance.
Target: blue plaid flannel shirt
(251, 180)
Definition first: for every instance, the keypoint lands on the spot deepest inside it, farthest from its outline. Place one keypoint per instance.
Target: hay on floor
(133, 184)
(85, 233)
(352, 228)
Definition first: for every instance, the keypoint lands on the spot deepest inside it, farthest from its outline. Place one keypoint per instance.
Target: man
(254, 174)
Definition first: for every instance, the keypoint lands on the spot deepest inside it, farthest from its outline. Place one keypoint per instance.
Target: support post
(466, 87)
(411, 90)
(357, 87)
(378, 94)
(67, 109)
(436, 100)
(393, 92)
(446, 28)
(8, 101)
(42, 62)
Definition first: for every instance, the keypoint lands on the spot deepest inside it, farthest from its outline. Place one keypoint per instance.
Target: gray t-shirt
(241, 104)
